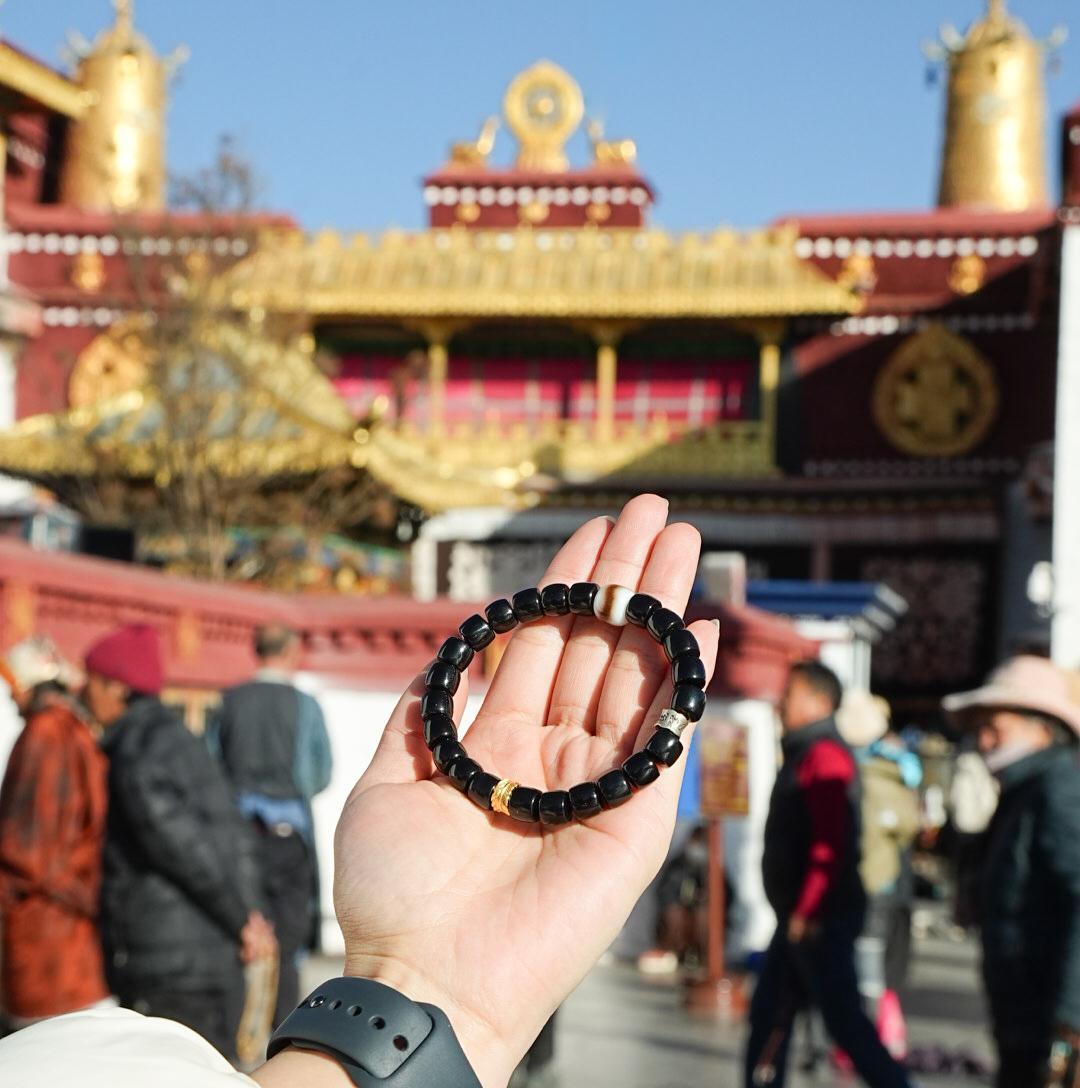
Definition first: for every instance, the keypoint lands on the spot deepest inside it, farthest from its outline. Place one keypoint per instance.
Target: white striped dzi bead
(610, 604)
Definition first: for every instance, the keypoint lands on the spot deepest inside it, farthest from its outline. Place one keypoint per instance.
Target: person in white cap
(1027, 728)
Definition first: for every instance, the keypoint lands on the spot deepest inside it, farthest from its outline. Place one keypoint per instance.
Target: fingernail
(715, 623)
(608, 518)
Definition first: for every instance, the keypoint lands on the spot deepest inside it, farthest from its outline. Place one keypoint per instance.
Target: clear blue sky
(742, 109)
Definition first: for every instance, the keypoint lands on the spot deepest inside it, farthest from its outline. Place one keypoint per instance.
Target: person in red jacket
(811, 874)
(52, 825)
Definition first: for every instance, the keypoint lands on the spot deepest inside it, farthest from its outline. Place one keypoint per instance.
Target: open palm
(495, 921)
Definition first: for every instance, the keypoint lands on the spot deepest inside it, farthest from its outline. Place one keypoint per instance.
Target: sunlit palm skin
(495, 921)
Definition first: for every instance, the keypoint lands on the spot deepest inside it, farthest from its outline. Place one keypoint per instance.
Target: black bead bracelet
(616, 605)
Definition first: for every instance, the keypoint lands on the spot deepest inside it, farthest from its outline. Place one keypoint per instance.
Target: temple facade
(864, 397)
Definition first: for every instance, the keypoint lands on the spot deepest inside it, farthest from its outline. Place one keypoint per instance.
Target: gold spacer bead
(500, 796)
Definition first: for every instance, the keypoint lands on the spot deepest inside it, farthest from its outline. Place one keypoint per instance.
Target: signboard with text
(725, 779)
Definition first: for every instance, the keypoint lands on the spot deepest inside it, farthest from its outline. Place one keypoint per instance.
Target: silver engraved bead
(673, 720)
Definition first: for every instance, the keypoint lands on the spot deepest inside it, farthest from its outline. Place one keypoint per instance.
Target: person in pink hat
(180, 891)
(1027, 728)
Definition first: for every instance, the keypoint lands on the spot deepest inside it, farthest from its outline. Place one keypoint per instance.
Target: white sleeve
(113, 1048)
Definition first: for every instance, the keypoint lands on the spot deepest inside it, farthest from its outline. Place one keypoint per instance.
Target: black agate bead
(663, 622)
(524, 804)
(477, 632)
(641, 769)
(555, 807)
(457, 652)
(614, 788)
(688, 670)
(664, 747)
(437, 728)
(443, 677)
(640, 607)
(527, 606)
(479, 788)
(688, 700)
(582, 595)
(681, 643)
(436, 701)
(500, 614)
(461, 771)
(585, 799)
(555, 599)
(446, 753)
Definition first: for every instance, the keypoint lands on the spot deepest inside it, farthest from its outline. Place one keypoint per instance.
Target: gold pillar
(769, 370)
(606, 367)
(438, 362)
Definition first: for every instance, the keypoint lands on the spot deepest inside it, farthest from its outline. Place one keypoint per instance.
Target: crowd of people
(145, 866)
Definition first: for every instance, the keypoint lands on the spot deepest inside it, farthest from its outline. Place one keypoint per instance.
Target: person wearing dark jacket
(811, 875)
(180, 890)
(1026, 728)
(274, 747)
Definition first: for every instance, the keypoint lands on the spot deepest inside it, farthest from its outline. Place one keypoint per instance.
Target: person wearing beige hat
(1027, 727)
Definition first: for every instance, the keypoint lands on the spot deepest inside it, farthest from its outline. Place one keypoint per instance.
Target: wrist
(296, 1068)
(492, 1057)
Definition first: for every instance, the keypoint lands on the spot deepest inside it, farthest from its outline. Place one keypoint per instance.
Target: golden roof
(530, 273)
(32, 80)
(260, 410)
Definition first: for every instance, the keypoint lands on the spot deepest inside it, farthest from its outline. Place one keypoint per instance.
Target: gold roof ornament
(475, 152)
(115, 154)
(530, 272)
(543, 107)
(609, 152)
(261, 409)
(993, 154)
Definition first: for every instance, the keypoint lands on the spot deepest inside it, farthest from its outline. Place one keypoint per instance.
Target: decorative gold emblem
(543, 107)
(188, 636)
(467, 213)
(500, 796)
(112, 363)
(967, 274)
(858, 273)
(88, 272)
(533, 213)
(936, 396)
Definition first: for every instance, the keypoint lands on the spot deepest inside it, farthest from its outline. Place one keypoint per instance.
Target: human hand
(257, 940)
(496, 922)
(799, 929)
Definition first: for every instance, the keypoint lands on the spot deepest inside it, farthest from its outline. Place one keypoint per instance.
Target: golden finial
(115, 155)
(993, 155)
(124, 22)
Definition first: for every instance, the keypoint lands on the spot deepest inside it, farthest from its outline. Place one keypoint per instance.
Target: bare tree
(192, 455)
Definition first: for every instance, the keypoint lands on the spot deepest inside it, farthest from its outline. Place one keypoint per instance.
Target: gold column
(769, 335)
(769, 370)
(606, 367)
(438, 362)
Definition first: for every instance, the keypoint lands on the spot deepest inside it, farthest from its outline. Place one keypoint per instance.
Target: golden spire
(115, 155)
(125, 16)
(993, 155)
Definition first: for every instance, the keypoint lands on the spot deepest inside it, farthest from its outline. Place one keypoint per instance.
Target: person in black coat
(180, 887)
(1028, 899)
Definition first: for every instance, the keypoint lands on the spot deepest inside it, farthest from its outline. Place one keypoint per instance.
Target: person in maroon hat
(180, 890)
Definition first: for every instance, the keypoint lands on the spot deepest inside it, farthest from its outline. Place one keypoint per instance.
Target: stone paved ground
(620, 1030)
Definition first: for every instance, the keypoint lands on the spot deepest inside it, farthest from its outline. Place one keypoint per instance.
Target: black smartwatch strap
(378, 1036)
